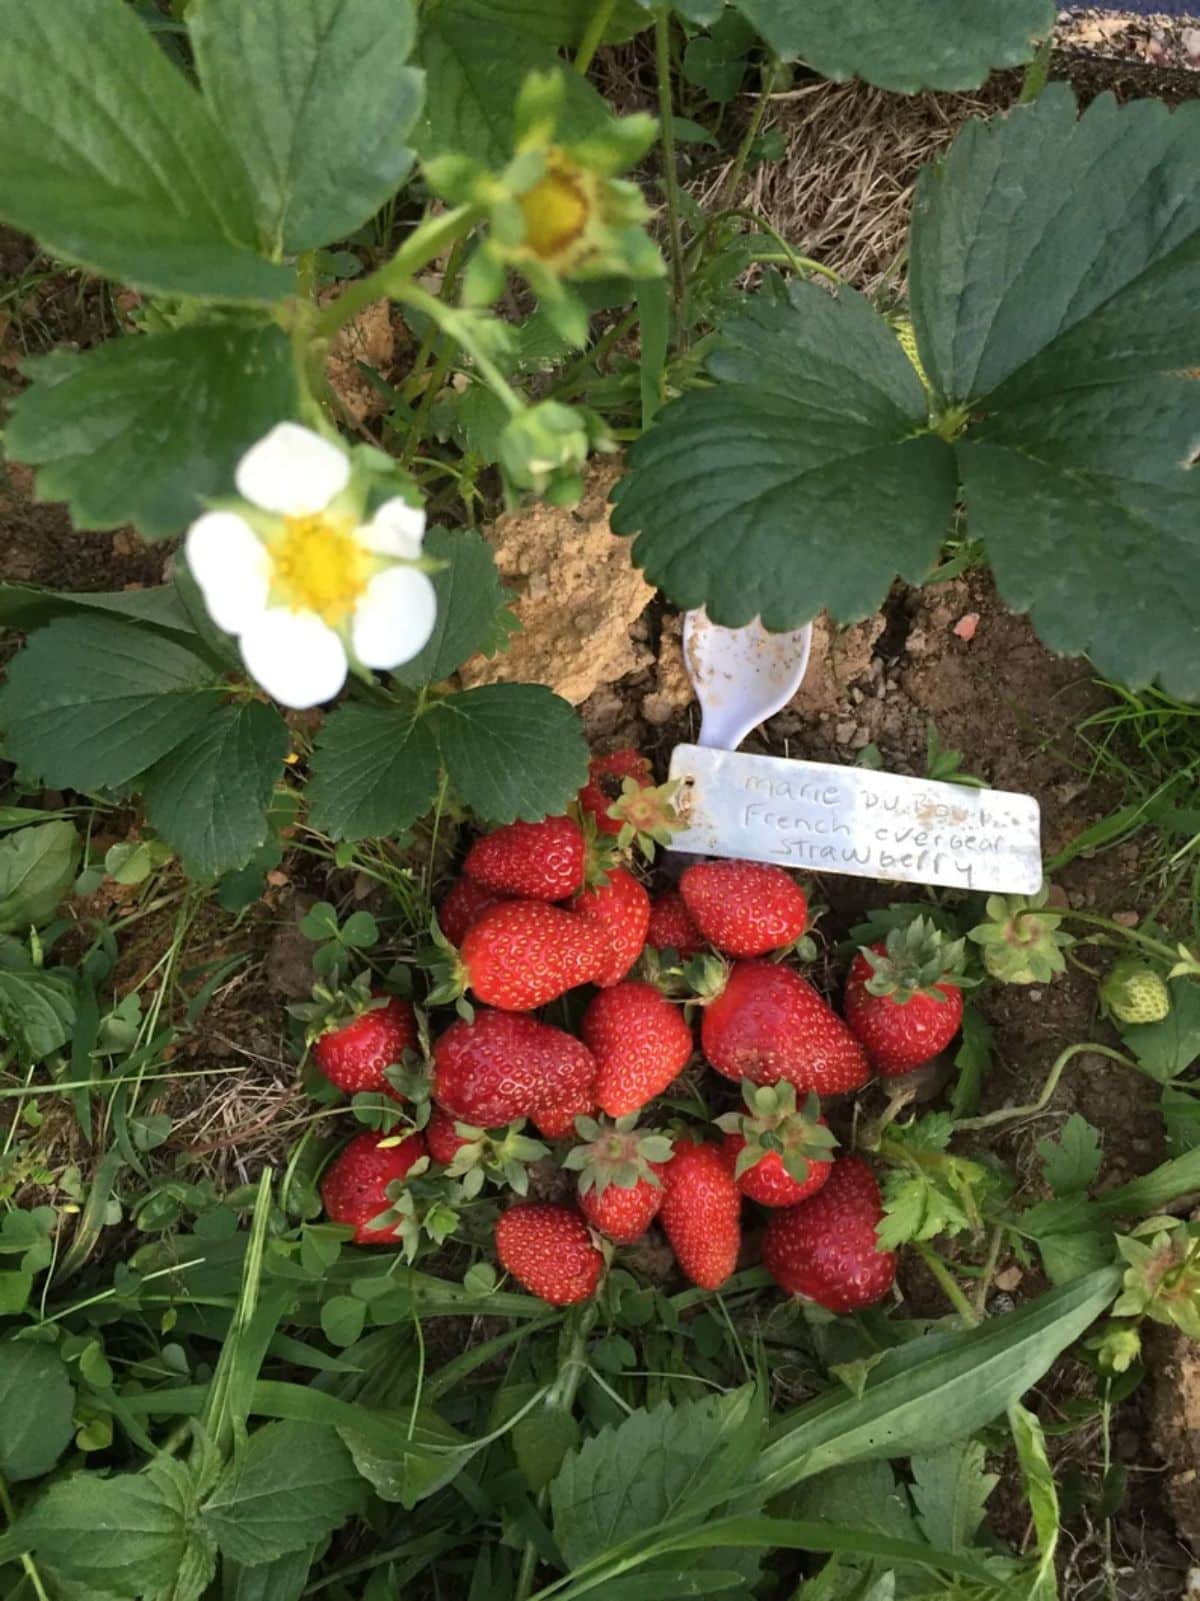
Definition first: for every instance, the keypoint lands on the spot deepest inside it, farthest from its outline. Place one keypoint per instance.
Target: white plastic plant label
(821, 818)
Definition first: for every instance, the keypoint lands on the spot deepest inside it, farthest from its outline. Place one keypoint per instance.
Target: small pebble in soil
(966, 626)
(1126, 919)
(999, 1304)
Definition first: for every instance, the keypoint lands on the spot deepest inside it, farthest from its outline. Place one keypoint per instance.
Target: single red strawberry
(442, 1136)
(770, 1024)
(503, 1066)
(555, 1122)
(781, 1155)
(620, 909)
(701, 1212)
(620, 1171)
(825, 1248)
(354, 1055)
(606, 778)
(465, 902)
(355, 1187)
(744, 908)
(902, 997)
(522, 954)
(536, 861)
(641, 1042)
(550, 1251)
(671, 927)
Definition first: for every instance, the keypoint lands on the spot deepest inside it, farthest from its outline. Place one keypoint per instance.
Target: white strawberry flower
(303, 583)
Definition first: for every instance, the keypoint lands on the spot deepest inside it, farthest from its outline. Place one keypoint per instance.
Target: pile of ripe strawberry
(522, 928)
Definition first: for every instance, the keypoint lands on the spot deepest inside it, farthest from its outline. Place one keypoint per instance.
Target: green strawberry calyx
(916, 960)
(1162, 1279)
(616, 1153)
(502, 1156)
(772, 1122)
(1021, 940)
(1135, 992)
(647, 815)
(332, 1009)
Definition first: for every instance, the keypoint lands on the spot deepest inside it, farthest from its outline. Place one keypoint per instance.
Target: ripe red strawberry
(606, 777)
(781, 1155)
(537, 861)
(744, 908)
(770, 1024)
(354, 1189)
(522, 954)
(441, 1136)
(620, 1171)
(504, 1066)
(902, 997)
(620, 909)
(557, 1121)
(671, 927)
(825, 1248)
(701, 1212)
(465, 902)
(354, 1055)
(549, 1250)
(640, 1041)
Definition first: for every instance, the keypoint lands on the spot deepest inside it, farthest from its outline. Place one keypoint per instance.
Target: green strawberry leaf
(317, 100)
(803, 480)
(628, 1480)
(904, 45)
(145, 429)
(208, 797)
(373, 773)
(479, 53)
(113, 161)
(472, 607)
(291, 1485)
(91, 702)
(1053, 304)
(37, 1010)
(950, 1491)
(37, 868)
(133, 1533)
(1071, 1161)
(511, 750)
(37, 1401)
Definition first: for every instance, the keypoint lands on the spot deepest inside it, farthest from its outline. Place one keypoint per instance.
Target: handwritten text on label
(831, 819)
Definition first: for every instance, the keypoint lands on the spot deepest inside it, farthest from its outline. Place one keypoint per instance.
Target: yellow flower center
(555, 211)
(319, 566)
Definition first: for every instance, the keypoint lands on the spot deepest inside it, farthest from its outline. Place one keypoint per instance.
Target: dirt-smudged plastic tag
(820, 818)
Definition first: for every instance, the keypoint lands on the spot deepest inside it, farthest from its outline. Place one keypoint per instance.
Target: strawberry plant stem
(733, 177)
(1008, 1113)
(593, 34)
(430, 239)
(662, 60)
(948, 1283)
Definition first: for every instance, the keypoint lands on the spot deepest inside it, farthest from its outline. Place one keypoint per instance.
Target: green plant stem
(572, 1365)
(662, 62)
(429, 338)
(593, 34)
(797, 262)
(27, 1562)
(1037, 73)
(1008, 1113)
(989, 1269)
(458, 327)
(569, 379)
(948, 1283)
(433, 236)
(733, 177)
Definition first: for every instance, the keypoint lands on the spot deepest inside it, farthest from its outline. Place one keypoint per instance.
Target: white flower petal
(292, 471)
(397, 529)
(395, 617)
(232, 567)
(297, 658)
